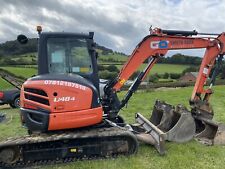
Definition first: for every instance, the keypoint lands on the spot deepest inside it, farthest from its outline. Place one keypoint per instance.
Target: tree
(134, 75)
(190, 69)
(153, 78)
(107, 75)
(112, 68)
(166, 75)
(175, 75)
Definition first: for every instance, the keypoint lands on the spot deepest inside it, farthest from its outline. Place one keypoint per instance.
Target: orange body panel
(69, 104)
(75, 119)
(63, 96)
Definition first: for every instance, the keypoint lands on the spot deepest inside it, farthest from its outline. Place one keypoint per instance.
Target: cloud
(117, 24)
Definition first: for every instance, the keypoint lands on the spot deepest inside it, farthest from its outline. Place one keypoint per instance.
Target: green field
(20, 71)
(28, 72)
(158, 68)
(169, 68)
(161, 68)
(179, 156)
(115, 57)
(4, 85)
(27, 57)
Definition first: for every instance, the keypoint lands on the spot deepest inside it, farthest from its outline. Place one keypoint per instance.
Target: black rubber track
(68, 146)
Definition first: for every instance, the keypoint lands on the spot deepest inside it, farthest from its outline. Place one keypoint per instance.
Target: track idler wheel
(9, 155)
(176, 122)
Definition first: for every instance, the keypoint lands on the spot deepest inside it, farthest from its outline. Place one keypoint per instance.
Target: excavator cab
(68, 53)
(65, 94)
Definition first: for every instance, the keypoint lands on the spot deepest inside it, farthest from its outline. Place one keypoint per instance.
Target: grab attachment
(176, 122)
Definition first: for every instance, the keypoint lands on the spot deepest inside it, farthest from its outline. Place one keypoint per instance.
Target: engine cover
(59, 101)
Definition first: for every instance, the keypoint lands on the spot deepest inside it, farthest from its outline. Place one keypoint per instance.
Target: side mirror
(22, 39)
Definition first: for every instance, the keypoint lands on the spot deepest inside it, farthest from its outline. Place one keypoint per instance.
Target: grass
(26, 56)
(20, 71)
(4, 85)
(162, 68)
(112, 56)
(179, 156)
(169, 68)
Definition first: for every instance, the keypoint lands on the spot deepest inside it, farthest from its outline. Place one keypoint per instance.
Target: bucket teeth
(178, 124)
(181, 125)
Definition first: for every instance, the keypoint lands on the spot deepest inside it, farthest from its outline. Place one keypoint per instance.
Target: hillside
(13, 53)
(13, 48)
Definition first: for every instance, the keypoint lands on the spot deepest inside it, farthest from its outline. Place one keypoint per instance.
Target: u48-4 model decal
(64, 99)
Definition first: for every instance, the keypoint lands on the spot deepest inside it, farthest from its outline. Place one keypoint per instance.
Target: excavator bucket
(209, 132)
(180, 125)
(176, 122)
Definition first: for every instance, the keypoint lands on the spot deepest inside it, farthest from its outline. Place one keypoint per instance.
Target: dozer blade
(150, 133)
(209, 132)
(176, 122)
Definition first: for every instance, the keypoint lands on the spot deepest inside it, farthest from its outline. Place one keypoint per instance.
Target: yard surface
(179, 156)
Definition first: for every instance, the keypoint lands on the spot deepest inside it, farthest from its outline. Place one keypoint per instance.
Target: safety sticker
(122, 81)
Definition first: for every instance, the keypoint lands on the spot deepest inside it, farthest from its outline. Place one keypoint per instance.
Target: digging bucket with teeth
(176, 122)
(208, 131)
(166, 123)
(181, 125)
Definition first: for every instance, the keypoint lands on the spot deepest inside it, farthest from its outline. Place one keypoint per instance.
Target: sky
(118, 24)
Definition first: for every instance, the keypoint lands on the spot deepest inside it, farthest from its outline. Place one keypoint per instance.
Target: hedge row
(171, 85)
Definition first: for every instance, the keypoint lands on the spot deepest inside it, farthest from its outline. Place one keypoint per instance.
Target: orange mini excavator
(67, 118)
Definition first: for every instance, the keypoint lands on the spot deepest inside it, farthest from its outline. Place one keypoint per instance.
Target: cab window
(69, 55)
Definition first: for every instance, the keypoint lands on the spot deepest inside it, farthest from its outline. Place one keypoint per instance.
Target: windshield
(68, 55)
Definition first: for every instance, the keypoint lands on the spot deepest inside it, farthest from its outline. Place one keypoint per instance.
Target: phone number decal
(64, 83)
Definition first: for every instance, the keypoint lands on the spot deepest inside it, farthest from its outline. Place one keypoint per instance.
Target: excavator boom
(158, 43)
(177, 123)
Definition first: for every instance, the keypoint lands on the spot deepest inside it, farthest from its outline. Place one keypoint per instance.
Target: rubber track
(111, 132)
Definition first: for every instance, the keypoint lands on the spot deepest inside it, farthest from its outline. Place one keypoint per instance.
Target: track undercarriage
(65, 147)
